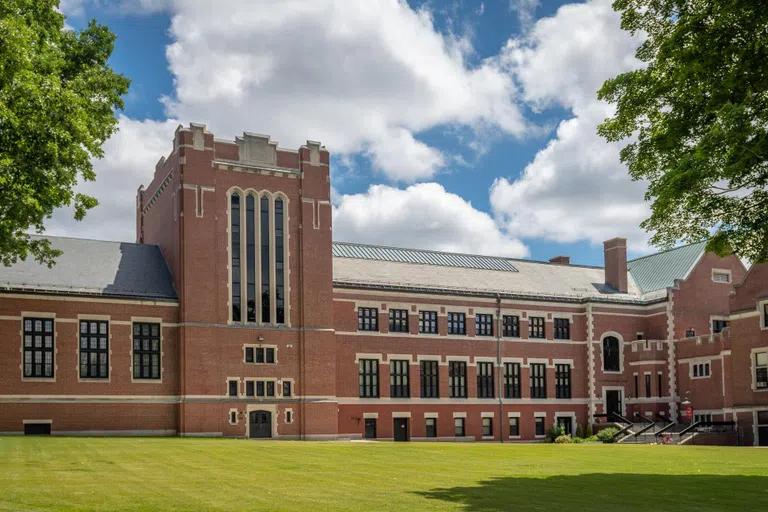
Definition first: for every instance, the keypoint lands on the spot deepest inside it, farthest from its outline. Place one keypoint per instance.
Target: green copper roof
(445, 259)
(659, 271)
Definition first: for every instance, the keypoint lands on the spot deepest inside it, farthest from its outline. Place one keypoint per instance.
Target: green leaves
(698, 120)
(58, 98)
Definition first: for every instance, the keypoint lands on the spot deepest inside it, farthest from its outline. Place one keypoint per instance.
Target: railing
(646, 428)
(621, 419)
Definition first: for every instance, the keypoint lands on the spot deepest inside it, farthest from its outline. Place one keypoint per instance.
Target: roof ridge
(90, 240)
(433, 251)
(666, 251)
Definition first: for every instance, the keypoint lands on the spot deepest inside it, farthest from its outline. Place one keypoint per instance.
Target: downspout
(498, 365)
(302, 337)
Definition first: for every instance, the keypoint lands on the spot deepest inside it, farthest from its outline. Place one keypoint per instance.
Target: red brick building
(235, 314)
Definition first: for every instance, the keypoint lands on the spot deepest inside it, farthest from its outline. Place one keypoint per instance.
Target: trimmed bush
(564, 439)
(606, 435)
(579, 431)
(588, 432)
(554, 432)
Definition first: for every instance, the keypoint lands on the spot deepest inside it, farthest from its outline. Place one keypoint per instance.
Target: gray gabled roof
(421, 256)
(659, 271)
(95, 267)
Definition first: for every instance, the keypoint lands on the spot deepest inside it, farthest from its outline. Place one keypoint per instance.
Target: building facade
(235, 314)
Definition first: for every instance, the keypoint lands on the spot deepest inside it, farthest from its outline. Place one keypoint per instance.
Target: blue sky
(493, 104)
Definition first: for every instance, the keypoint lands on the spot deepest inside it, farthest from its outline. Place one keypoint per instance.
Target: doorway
(401, 429)
(612, 403)
(260, 424)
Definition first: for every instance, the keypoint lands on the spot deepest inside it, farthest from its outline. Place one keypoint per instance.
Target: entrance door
(612, 403)
(261, 424)
(401, 429)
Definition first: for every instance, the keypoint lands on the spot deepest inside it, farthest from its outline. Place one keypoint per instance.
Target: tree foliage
(58, 98)
(697, 120)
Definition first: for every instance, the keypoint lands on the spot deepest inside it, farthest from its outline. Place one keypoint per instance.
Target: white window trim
(621, 352)
(712, 318)
(753, 367)
(702, 362)
(722, 271)
(52, 316)
(761, 312)
(285, 416)
(260, 345)
(370, 415)
(487, 414)
(226, 389)
(237, 417)
(432, 415)
(459, 415)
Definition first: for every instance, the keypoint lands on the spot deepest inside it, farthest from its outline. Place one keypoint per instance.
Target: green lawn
(38, 473)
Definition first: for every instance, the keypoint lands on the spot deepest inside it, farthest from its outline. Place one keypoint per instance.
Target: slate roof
(659, 271)
(373, 268)
(94, 267)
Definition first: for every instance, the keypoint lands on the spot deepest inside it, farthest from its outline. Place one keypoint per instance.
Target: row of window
(648, 385)
(368, 320)
(260, 355)
(94, 349)
(399, 379)
(258, 388)
(459, 426)
(252, 215)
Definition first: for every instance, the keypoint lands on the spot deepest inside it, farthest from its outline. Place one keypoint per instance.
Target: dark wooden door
(261, 424)
(401, 429)
(613, 403)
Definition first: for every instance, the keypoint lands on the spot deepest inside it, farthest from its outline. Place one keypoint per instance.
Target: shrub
(579, 431)
(578, 440)
(554, 432)
(592, 439)
(588, 432)
(563, 439)
(606, 435)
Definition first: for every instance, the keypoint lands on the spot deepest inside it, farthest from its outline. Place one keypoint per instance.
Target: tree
(58, 99)
(697, 120)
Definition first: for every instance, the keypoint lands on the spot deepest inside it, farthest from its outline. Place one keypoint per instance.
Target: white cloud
(422, 216)
(526, 11)
(575, 188)
(71, 7)
(358, 76)
(130, 158)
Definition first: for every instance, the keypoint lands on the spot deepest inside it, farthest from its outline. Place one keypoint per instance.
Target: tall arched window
(235, 231)
(279, 263)
(265, 303)
(611, 354)
(250, 256)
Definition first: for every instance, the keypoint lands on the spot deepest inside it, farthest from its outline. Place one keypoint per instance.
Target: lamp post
(688, 408)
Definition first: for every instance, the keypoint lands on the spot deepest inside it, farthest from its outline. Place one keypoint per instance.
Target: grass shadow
(598, 491)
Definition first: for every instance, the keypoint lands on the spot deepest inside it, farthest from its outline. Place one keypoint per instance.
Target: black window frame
(233, 388)
(430, 427)
(562, 381)
(637, 385)
(659, 382)
(566, 422)
(457, 379)
(368, 368)
(368, 319)
(287, 388)
(761, 372)
(139, 351)
(537, 327)
(611, 355)
(399, 378)
(459, 427)
(428, 322)
(250, 388)
(562, 328)
(485, 387)
(430, 379)
(45, 332)
(512, 380)
(511, 326)
(250, 355)
(487, 424)
(261, 388)
(539, 425)
(398, 320)
(98, 370)
(647, 385)
(483, 324)
(457, 324)
(690, 333)
(538, 380)
(271, 390)
(514, 426)
(719, 325)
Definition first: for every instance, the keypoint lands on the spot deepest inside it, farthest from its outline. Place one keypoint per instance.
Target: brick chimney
(561, 260)
(616, 263)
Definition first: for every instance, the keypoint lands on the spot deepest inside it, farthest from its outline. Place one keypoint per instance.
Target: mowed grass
(68, 474)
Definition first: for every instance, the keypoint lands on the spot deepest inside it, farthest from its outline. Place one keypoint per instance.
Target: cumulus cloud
(362, 77)
(526, 11)
(130, 158)
(423, 216)
(575, 188)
